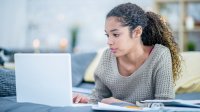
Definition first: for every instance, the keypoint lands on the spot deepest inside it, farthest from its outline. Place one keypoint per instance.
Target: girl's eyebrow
(112, 30)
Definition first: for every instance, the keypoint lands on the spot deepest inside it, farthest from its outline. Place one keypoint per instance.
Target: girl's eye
(116, 35)
(107, 35)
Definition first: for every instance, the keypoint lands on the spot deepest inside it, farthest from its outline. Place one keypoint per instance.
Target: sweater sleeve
(101, 90)
(164, 88)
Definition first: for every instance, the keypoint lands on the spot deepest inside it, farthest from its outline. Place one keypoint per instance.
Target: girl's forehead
(113, 19)
(112, 22)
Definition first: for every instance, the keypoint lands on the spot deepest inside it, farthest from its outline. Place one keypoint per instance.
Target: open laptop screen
(44, 79)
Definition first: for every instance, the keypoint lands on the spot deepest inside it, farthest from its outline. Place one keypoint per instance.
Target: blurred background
(78, 26)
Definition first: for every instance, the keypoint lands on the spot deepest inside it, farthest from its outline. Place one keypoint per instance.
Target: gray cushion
(87, 85)
(7, 82)
(80, 62)
(188, 96)
(9, 104)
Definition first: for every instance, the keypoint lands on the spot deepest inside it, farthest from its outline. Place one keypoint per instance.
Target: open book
(120, 107)
(151, 105)
(176, 103)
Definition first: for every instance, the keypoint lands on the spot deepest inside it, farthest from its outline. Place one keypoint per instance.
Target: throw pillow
(80, 62)
(190, 76)
(89, 74)
(192, 85)
(7, 82)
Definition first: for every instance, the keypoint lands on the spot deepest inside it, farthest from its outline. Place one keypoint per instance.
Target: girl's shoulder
(160, 50)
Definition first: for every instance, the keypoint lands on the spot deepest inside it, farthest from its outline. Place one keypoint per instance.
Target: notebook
(44, 79)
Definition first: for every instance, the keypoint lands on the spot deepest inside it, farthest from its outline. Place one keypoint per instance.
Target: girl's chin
(116, 54)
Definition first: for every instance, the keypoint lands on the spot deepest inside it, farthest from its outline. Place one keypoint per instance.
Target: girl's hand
(78, 98)
(110, 100)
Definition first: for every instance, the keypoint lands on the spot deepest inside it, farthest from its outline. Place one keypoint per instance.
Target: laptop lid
(44, 79)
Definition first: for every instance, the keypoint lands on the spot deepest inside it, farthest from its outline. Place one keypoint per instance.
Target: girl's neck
(137, 56)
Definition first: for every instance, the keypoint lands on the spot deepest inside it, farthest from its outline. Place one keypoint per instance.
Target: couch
(85, 63)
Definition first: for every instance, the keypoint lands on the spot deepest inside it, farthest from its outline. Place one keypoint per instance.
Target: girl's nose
(110, 41)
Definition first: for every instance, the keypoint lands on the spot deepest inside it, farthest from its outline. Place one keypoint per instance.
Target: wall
(23, 21)
(12, 23)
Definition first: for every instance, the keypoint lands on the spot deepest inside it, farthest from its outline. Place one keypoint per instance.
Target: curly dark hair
(155, 30)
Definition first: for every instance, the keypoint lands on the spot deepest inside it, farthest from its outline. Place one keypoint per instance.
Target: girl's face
(119, 37)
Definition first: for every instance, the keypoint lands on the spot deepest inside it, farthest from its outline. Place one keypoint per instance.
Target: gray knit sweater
(152, 80)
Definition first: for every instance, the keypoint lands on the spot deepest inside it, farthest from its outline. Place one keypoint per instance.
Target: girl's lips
(113, 50)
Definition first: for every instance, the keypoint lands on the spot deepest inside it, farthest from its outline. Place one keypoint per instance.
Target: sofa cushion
(7, 82)
(190, 76)
(89, 74)
(188, 96)
(80, 62)
(9, 104)
(86, 85)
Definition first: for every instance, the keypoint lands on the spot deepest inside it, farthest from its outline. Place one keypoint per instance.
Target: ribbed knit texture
(152, 80)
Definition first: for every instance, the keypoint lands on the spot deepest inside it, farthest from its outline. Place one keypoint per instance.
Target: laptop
(44, 78)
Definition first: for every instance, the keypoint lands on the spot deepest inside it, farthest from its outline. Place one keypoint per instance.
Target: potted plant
(191, 46)
(74, 36)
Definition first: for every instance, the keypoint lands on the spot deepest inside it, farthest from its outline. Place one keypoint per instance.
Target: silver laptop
(44, 79)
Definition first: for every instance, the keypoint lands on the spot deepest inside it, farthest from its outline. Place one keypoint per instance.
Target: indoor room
(107, 54)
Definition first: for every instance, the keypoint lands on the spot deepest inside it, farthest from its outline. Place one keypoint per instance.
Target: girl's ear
(137, 31)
